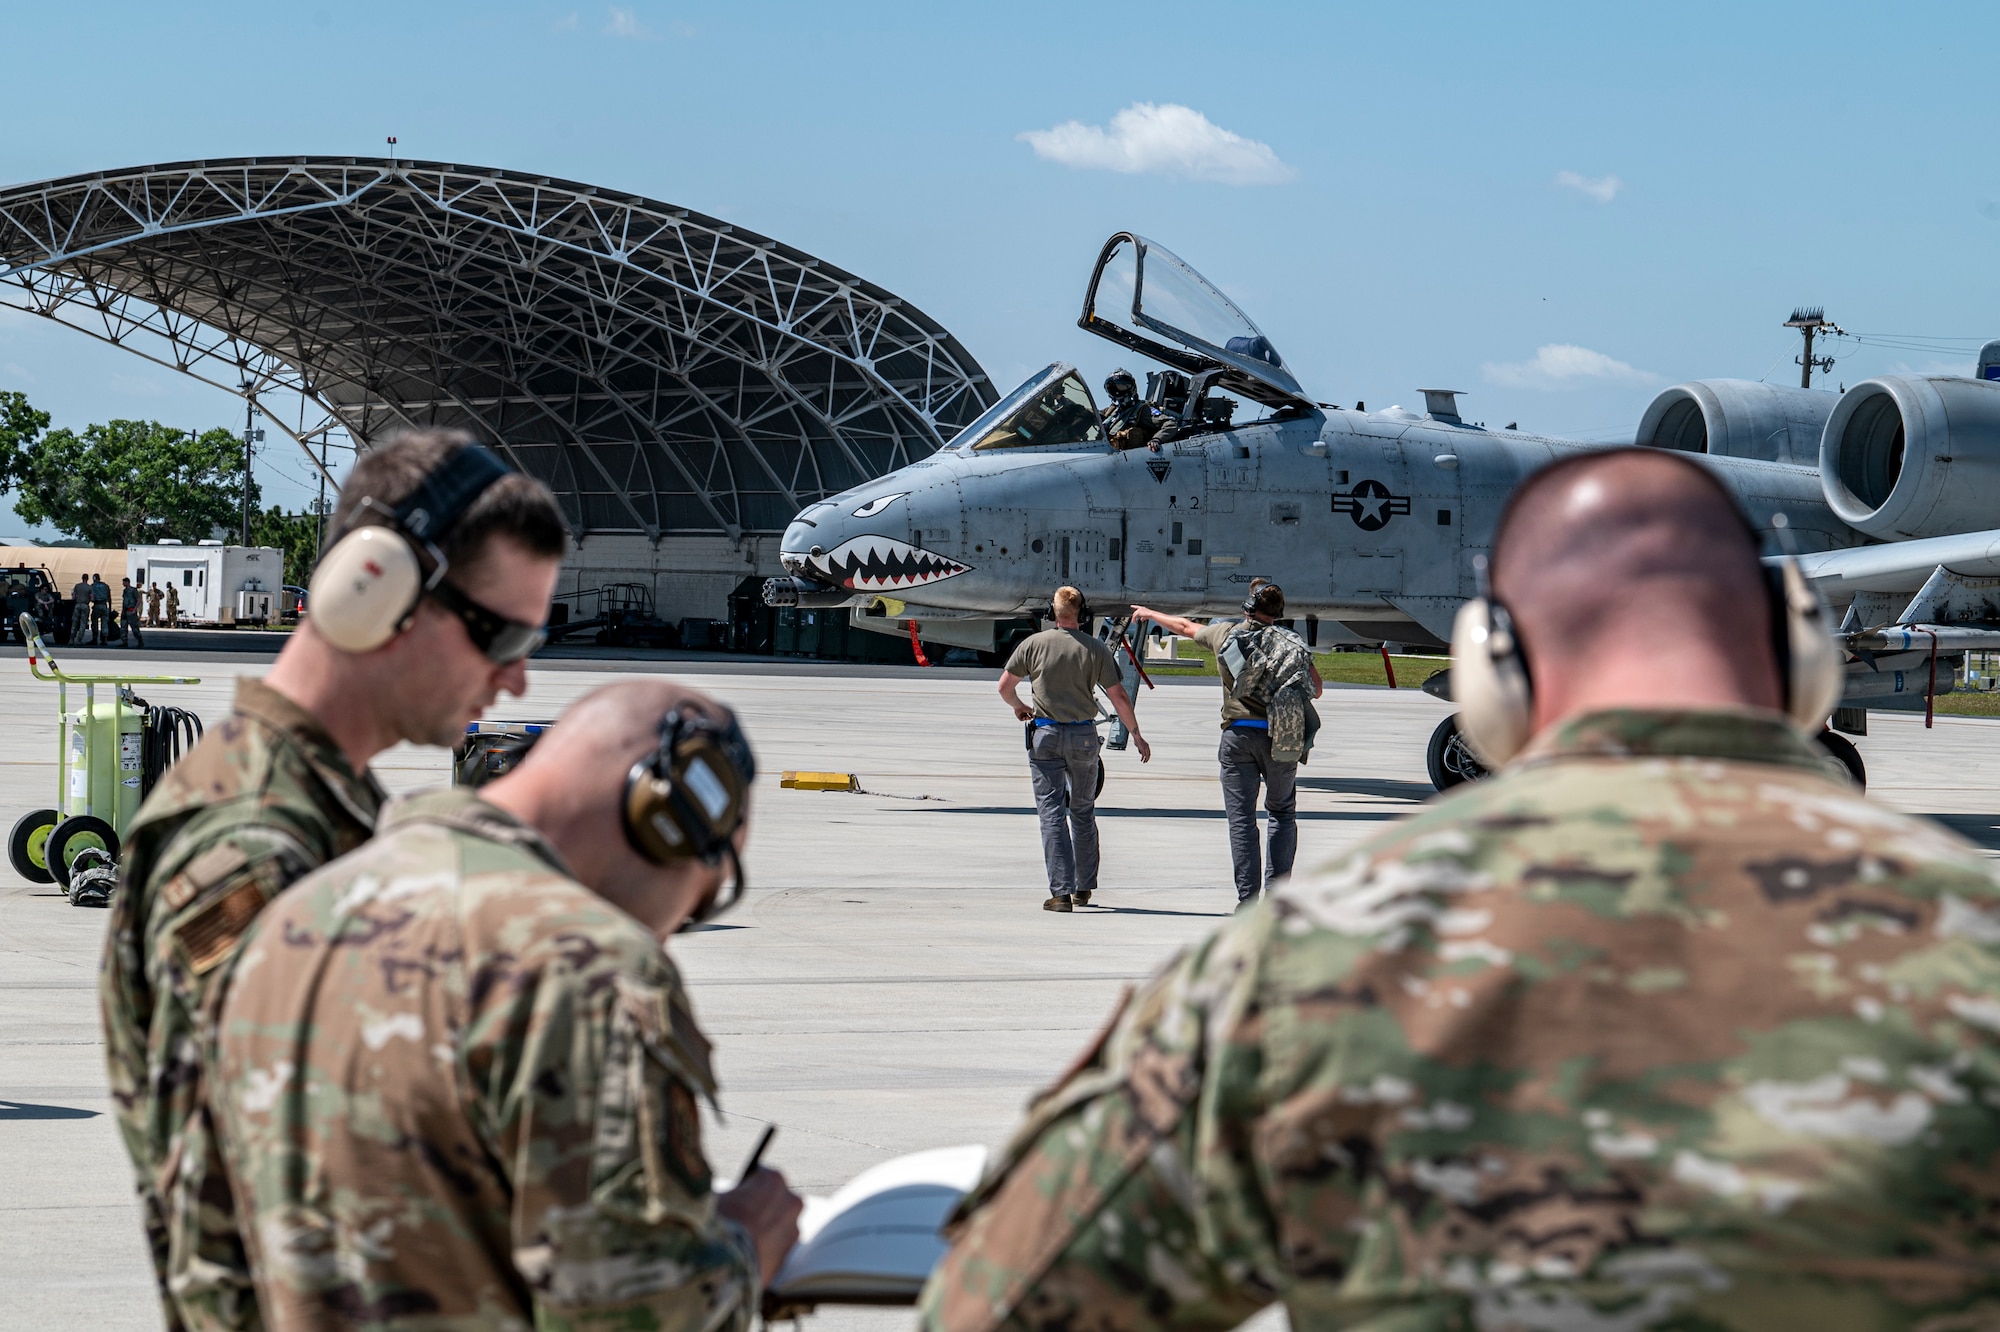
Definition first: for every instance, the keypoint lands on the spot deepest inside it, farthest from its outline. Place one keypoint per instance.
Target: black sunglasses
(503, 641)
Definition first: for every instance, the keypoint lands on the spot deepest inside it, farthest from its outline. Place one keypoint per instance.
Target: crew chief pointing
(1066, 664)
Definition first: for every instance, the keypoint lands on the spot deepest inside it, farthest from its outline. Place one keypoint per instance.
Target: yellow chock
(820, 781)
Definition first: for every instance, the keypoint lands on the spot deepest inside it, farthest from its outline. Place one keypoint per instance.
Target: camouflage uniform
(1664, 1027)
(264, 798)
(458, 1089)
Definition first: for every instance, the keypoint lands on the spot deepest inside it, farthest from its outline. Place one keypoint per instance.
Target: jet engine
(1738, 418)
(1914, 456)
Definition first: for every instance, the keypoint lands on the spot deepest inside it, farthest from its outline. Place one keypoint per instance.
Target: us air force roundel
(1370, 505)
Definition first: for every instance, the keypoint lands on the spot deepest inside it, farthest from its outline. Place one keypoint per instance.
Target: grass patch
(1978, 703)
(1334, 667)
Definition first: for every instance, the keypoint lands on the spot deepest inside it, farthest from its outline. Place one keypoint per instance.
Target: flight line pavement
(890, 984)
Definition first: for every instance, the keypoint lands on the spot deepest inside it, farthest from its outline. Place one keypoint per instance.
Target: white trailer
(209, 575)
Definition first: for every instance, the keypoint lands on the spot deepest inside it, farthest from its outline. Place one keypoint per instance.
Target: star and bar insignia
(1370, 504)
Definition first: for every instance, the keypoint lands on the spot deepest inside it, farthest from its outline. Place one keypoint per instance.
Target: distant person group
(1664, 1026)
(93, 623)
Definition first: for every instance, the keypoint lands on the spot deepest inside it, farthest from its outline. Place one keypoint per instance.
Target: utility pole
(250, 436)
(1809, 322)
(319, 526)
(249, 420)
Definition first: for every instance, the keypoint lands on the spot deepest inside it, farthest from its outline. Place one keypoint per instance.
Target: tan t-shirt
(1212, 637)
(1065, 664)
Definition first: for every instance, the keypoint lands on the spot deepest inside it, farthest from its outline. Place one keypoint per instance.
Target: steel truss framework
(663, 371)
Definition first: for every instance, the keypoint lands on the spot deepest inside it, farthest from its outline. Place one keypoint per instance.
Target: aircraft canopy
(1144, 296)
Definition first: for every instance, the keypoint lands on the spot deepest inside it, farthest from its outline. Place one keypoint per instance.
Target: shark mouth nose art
(882, 564)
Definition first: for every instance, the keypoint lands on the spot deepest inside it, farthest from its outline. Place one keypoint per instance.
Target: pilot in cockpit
(1130, 422)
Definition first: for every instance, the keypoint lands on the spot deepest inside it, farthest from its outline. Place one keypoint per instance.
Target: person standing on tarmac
(100, 610)
(1663, 1026)
(1066, 664)
(79, 612)
(153, 606)
(281, 787)
(173, 605)
(128, 613)
(1245, 752)
(523, 1146)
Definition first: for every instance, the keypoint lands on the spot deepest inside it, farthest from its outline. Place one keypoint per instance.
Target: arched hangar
(685, 386)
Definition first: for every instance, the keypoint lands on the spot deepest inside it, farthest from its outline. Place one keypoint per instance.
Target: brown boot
(1060, 902)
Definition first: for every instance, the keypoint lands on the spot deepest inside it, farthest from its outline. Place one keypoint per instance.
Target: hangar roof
(663, 371)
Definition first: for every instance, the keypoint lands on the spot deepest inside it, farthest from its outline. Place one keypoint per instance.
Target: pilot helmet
(1120, 384)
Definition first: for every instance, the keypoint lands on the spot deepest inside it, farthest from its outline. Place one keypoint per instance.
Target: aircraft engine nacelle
(1914, 456)
(1738, 418)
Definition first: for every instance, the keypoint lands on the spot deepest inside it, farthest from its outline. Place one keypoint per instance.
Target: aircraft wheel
(27, 848)
(1100, 780)
(1450, 760)
(71, 837)
(1838, 745)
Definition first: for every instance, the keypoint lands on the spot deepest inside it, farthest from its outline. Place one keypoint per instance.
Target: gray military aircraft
(1372, 521)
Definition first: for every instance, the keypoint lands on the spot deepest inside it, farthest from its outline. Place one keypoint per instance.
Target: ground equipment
(491, 749)
(109, 755)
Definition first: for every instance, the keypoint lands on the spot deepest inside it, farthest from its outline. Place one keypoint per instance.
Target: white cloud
(1164, 140)
(1559, 365)
(568, 23)
(625, 23)
(1601, 188)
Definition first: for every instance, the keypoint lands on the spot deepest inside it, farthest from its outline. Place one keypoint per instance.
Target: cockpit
(1145, 297)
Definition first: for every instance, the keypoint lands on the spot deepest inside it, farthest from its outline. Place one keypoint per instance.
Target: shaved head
(605, 732)
(1635, 551)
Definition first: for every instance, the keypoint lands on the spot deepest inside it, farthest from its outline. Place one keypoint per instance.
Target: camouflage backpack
(1272, 669)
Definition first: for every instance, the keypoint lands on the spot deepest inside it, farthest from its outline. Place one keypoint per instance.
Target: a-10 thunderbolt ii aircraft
(1372, 520)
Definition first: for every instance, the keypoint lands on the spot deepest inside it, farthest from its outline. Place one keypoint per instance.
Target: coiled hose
(169, 732)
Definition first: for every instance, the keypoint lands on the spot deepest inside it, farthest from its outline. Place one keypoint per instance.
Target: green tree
(297, 534)
(125, 482)
(20, 426)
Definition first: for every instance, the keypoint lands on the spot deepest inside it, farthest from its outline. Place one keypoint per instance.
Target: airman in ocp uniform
(459, 1078)
(1663, 1026)
(277, 789)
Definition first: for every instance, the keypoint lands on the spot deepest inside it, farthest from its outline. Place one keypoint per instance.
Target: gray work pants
(1245, 754)
(1062, 760)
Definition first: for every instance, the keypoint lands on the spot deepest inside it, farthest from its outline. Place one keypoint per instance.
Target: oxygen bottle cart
(109, 753)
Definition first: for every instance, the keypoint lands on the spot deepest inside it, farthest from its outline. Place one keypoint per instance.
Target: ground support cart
(109, 754)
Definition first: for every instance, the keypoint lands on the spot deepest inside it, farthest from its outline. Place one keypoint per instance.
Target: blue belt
(1044, 721)
(1252, 725)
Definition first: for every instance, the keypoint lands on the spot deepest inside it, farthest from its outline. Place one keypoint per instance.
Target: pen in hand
(757, 1153)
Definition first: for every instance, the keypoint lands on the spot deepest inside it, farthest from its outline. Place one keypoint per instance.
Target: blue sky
(1560, 209)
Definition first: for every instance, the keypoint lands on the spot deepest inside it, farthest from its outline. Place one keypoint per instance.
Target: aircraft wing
(1903, 566)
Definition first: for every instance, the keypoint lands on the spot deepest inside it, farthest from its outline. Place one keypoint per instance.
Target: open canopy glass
(1144, 296)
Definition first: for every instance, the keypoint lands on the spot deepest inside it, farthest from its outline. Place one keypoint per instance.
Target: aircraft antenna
(1809, 322)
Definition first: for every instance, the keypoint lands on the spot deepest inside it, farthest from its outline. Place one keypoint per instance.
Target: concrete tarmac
(891, 983)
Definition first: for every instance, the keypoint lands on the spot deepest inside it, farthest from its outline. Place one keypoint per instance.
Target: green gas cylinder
(106, 762)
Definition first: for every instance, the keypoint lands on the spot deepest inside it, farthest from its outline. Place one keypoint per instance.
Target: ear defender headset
(1082, 609)
(366, 587)
(1494, 689)
(1265, 599)
(686, 800)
